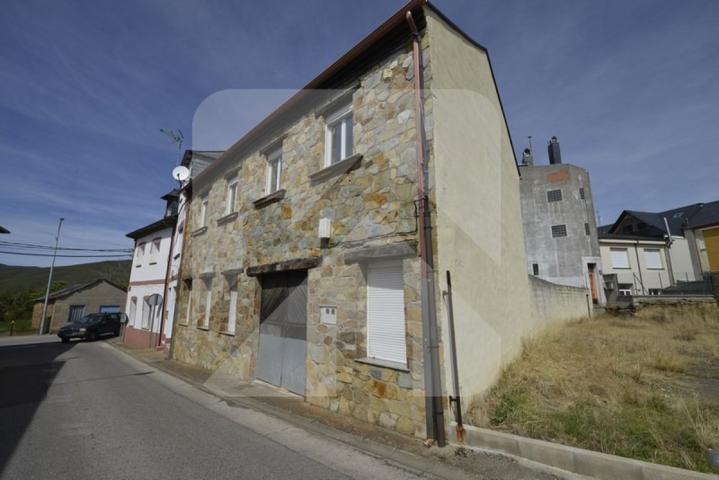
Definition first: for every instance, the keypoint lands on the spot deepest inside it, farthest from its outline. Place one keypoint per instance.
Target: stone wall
(371, 205)
(557, 303)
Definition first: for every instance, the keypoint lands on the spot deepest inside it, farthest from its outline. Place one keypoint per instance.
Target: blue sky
(631, 88)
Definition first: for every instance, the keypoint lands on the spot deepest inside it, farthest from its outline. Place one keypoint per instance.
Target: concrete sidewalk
(448, 462)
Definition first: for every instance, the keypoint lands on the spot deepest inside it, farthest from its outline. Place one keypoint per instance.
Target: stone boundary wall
(557, 303)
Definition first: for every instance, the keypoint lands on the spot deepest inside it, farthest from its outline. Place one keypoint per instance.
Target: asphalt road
(87, 411)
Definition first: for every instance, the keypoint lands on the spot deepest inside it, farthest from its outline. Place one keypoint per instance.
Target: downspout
(178, 290)
(167, 276)
(433, 391)
(668, 254)
(639, 267)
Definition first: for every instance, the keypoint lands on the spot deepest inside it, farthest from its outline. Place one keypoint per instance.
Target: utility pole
(49, 278)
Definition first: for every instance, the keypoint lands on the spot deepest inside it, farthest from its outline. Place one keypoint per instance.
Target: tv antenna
(175, 135)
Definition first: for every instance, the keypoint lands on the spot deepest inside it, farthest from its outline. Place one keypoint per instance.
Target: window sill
(183, 324)
(224, 332)
(343, 166)
(201, 327)
(199, 231)
(271, 198)
(375, 362)
(227, 218)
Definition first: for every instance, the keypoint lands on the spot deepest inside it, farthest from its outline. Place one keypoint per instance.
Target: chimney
(527, 158)
(555, 157)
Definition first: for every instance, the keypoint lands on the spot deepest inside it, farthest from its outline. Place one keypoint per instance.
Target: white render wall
(148, 278)
(650, 278)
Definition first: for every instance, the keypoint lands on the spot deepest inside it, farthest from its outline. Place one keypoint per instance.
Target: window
(232, 313)
(204, 320)
(655, 291)
(581, 193)
(203, 211)
(385, 312)
(274, 169)
(653, 258)
(133, 310)
(146, 313)
(625, 289)
(619, 257)
(554, 196)
(535, 269)
(586, 229)
(154, 250)
(139, 254)
(231, 198)
(188, 313)
(338, 135)
(559, 231)
(76, 313)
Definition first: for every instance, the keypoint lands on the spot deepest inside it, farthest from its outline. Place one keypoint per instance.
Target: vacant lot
(643, 386)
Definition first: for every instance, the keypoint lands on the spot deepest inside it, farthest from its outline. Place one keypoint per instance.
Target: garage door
(283, 330)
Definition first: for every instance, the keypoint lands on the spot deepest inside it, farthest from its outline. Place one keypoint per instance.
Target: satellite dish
(180, 173)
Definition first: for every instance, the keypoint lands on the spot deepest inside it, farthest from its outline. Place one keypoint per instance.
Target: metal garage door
(283, 330)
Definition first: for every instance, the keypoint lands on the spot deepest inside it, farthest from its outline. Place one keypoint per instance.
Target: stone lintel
(343, 166)
(198, 232)
(271, 198)
(227, 218)
(407, 248)
(294, 264)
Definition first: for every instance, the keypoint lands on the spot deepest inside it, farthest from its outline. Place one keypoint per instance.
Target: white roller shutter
(653, 257)
(620, 257)
(386, 337)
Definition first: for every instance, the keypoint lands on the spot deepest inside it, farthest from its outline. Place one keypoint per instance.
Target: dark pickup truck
(92, 326)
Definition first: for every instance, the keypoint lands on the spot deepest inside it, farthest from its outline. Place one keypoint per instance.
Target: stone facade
(371, 205)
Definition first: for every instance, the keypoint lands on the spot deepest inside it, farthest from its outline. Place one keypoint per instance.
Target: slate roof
(153, 227)
(67, 291)
(688, 216)
(708, 215)
(4, 230)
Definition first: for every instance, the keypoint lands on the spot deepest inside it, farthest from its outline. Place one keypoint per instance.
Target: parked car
(92, 326)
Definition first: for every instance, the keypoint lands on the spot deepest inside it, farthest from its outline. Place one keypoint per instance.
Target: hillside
(16, 279)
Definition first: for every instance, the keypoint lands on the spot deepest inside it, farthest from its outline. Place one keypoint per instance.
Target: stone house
(305, 264)
(75, 301)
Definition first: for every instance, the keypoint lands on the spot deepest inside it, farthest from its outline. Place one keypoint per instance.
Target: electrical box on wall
(328, 314)
(325, 228)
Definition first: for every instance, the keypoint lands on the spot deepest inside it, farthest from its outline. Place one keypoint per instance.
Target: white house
(151, 295)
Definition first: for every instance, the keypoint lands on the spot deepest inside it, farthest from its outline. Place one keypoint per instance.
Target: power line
(48, 247)
(66, 256)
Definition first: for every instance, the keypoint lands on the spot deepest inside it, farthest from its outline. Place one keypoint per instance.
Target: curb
(572, 459)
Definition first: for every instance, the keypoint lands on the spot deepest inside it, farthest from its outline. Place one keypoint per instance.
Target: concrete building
(306, 263)
(560, 231)
(76, 301)
(152, 292)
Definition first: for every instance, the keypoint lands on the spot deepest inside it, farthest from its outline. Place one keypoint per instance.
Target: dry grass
(643, 386)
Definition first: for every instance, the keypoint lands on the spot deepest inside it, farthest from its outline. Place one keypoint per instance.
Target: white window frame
(231, 198)
(613, 252)
(204, 203)
(374, 322)
(339, 116)
(133, 311)
(232, 312)
(146, 314)
(188, 313)
(274, 170)
(139, 254)
(155, 250)
(651, 265)
(208, 304)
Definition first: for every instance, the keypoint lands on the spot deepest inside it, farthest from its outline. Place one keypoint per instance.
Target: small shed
(73, 302)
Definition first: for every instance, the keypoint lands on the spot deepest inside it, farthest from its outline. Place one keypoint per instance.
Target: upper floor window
(559, 231)
(554, 196)
(653, 258)
(139, 254)
(274, 169)
(338, 135)
(619, 257)
(587, 230)
(203, 211)
(581, 193)
(154, 250)
(231, 198)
